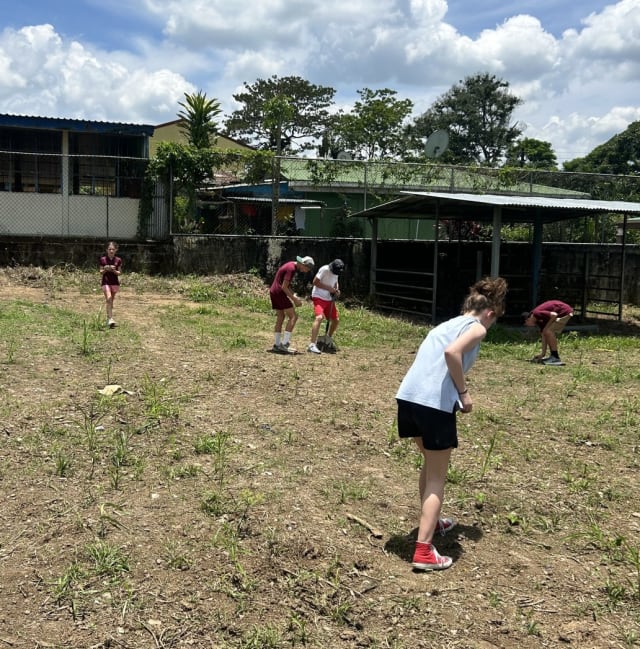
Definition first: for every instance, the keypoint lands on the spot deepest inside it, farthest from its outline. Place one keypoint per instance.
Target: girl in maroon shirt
(110, 266)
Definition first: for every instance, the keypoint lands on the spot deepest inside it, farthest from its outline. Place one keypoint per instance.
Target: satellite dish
(436, 144)
(344, 155)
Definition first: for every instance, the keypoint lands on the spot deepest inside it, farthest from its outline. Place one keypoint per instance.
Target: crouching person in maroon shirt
(551, 318)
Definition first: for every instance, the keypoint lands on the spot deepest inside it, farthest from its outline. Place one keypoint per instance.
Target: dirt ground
(237, 498)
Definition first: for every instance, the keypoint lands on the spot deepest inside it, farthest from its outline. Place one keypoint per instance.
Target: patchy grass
(230, 497)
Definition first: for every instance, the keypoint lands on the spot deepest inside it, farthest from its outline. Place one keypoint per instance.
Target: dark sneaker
(426, 558)
(445, 525)
(552, 360)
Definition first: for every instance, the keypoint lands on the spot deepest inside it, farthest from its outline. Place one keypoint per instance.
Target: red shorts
(327, 308)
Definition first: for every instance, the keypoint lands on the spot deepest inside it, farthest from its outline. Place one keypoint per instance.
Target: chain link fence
(100, 196)
(70, 195)
(330, 190)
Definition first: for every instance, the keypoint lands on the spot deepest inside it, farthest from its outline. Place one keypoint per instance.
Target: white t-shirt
(325, 276)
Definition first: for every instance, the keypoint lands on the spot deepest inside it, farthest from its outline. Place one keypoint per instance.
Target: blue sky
(576, 65)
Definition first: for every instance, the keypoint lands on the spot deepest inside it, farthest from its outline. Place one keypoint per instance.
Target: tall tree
(375, 127)
(253, 123)
(529, 152)
(197, 119)
(476, 113)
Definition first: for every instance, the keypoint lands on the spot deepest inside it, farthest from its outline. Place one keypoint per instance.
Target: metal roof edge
(75, 125)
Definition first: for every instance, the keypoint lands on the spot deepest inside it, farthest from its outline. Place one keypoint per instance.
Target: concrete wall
(201, 255)
(24, 214)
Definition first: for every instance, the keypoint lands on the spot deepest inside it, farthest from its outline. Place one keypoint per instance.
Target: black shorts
(436, 428)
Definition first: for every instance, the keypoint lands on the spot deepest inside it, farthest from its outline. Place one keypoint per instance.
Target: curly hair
(487, 293)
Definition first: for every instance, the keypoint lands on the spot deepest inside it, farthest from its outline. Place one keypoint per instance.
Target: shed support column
(64, 217)
(622, 266)
(536, 258)
(374, 257)
(495, 241)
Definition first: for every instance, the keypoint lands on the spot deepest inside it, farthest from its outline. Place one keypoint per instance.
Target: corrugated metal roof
(536, 201)
(75, 125)
(284, 200)
(481, 207)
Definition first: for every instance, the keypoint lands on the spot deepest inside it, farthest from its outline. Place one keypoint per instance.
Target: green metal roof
(393, 177)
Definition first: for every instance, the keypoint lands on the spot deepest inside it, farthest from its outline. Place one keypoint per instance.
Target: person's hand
(296, 300)
(466, 402)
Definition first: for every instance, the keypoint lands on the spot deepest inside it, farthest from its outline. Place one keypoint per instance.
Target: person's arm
(453, 357)
(317, 281)
(295, 300)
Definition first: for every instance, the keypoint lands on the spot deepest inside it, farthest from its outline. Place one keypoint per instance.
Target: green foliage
(184, 168)
(309, 115)
(476, 113)
(619, 155)
(374, 128)
(197, 119)
(530, 152)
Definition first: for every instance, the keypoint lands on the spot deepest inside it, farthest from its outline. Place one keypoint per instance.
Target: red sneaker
(426, 557)
(445, 525)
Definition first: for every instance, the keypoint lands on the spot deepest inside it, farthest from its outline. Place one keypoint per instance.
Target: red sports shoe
(426, 557)
(445, 525)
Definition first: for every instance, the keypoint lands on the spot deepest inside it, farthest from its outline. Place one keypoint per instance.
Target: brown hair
(487, 293)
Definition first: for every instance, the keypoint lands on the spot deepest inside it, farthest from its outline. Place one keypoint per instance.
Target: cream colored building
(171, 132)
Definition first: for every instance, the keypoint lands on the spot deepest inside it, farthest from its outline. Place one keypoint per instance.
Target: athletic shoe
(282, 349)
(445, 525)
(552, 360)
(111, 323)
(426, 557)
(313, 348)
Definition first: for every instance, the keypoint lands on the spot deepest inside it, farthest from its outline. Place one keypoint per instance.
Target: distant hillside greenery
(619, 155)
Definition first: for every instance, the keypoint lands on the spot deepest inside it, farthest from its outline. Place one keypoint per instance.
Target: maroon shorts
(280, 301)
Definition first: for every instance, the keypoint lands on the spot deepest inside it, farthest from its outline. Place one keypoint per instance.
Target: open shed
(494, 209)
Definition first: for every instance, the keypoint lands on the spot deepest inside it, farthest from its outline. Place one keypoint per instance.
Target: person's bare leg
(109, 305)
(551, 340)
(279, 321)
(315, 328)
(292, 318)
(433, 476)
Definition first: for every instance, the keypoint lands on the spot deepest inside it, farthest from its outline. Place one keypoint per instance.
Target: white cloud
(45, 75)
(578, 86)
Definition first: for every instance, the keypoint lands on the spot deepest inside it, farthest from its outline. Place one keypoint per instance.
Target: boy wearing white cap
(284, 301)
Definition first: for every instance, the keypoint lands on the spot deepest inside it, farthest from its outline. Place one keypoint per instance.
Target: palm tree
(198, 119)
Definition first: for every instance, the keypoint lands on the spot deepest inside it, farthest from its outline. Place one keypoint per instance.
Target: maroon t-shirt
(109, 278)
(542, 313)
(285, 272)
